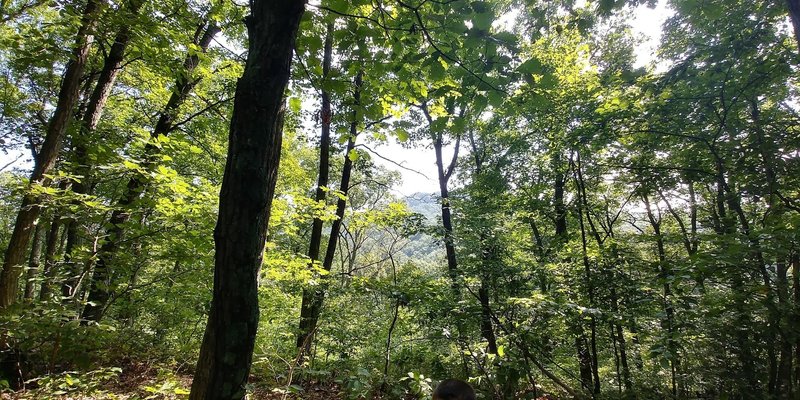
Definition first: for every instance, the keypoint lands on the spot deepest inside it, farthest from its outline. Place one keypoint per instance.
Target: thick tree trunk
(112, 65)
(248, 185)
(316, 296)
(33, 264)
(103, 279)
(31, 204)
(306, 310)
(487, 331)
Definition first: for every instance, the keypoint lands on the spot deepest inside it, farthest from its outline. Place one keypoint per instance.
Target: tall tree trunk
(304, 337)
(447, 221)
(590, 287)
(488, 255)
(248, 185)
(51, 248)
(443, 178)
(388, 348)
(487, 331)
(103, 279)
(664, 275)
(35, 261)
(559, 207)
(725, 227)
(584, 359)
(312, 307)
(619, 336)
(112, 65)
(795, 262)
(592, 319)
(784, 387)
(45, 161)
(778, 313)
(757, 258)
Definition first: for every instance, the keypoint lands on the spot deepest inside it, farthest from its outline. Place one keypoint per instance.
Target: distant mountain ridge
(426, 204)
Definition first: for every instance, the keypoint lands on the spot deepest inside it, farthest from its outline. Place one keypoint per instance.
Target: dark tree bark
(112, 65)
(248, 185)
(50, 268)
(304, 337)
(33, 264)
(444, 177)
(103, 279)
(48, 154)
(316, 296)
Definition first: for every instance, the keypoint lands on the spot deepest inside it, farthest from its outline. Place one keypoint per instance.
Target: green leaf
(130, 165)
(531, 66)
(295, 104)
(483, 21)
(496, 98)
(402, 134)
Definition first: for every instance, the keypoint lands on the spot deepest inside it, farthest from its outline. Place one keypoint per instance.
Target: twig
(392, 161)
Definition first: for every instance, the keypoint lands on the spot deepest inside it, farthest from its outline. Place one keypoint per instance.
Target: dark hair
(454, 389)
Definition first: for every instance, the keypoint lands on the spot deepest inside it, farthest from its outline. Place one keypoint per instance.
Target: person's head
(454, 389)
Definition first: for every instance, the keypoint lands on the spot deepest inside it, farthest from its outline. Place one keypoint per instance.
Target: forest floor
(143, 382)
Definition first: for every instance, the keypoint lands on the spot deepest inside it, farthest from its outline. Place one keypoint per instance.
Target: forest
(219, 199)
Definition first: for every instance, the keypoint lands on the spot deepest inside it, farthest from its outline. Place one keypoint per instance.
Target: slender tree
(305, 335)
(312, 307)
(103, 279)
(46, 159)
(112, 65)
